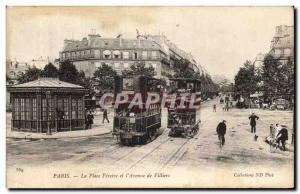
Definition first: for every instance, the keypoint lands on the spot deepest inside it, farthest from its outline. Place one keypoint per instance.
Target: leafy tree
(67, 72)
(87, 83)
(278, 78)
(273, 76)
(289, 82)
(32, 73)
(104, 78)
(246, 81)
(139, 68)
(50, 71)
(9, 81)
(182, 69)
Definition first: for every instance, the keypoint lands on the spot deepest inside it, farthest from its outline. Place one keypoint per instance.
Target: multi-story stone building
(282, 49)
(155, 50)
(15, 68)
(282, 44)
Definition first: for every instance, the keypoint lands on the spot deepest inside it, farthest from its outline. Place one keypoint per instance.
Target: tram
(182, 118)
(137, 124)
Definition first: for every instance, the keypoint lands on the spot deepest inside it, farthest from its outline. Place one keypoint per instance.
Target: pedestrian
(221, 131)
(277, 129)
(282, 136)
(60, 117)
(253, 119)
(90, 119)
(214, 108)
(87, 124)
(105, 117)
(227, 106)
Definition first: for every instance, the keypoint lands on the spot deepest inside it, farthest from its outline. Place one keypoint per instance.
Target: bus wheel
(171, 133)
(144, 139)
(138, 140)
(131, 142)
(122, 141)
(152, 135)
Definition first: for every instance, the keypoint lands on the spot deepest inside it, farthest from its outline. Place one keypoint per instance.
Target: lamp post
(48, 98)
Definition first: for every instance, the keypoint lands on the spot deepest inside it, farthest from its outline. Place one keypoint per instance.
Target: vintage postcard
(150, 97)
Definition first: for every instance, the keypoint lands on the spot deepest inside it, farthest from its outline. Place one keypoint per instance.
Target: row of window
(116, 54)
(117, 65)
(26, 109)
(286, 51)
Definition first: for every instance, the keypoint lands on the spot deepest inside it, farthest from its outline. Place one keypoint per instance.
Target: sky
(220, 38)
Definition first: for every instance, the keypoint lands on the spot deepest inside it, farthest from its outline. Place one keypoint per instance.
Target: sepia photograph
(132, 97)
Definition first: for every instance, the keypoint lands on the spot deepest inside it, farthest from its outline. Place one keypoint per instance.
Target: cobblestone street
(165, 154)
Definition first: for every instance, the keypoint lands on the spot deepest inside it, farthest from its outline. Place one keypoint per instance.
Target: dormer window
(106, 54)
(116, 54)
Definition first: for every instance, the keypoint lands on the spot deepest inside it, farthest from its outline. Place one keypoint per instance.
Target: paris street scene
(150, 97)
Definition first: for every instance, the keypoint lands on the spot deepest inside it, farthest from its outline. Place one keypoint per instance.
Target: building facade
(281, 48)
(14, 68)
(155, 50)
(282, 44)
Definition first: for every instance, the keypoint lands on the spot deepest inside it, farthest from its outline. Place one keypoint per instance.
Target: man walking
(221, 131)
(215, 108)
(282, 136)
(105, 117)
(253, 119)
(227, 106)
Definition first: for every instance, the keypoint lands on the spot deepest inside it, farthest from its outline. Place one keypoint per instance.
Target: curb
(51, 137)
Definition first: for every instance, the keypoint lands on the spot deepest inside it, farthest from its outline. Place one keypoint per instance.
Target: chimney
(139, 41)
(92, 37)
(67, 42)
(120, 41)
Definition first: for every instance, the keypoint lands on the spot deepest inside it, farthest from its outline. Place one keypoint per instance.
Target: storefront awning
(116, 52)
(106, 52)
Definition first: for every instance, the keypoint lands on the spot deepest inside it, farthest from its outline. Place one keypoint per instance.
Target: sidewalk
(98, 128)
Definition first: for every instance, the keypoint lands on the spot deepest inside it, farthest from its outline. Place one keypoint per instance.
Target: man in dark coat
(105, 117)
(221, 130)
(282, 136)
(90, 120)
(253, 119)
(60, 117)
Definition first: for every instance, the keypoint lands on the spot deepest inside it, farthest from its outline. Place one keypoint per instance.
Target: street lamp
(48, 98)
